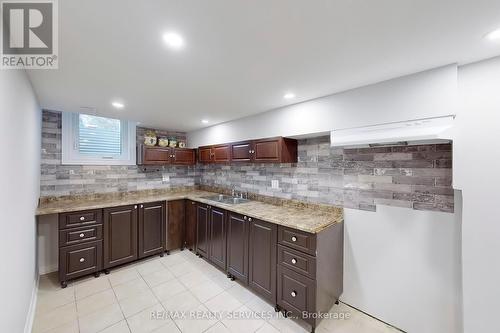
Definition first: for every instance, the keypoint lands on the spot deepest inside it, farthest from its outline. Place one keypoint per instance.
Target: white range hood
(411, 132)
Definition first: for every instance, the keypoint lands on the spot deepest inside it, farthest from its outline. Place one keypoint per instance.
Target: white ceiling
(242, 56)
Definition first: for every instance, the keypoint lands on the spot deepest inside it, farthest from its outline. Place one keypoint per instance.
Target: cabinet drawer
(81, 259)
(297, 239)
(297, 261)
(80, 219)
(80, 235)
(296, 293)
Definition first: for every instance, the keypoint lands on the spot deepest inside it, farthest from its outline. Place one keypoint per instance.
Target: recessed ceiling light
(289, 95)
(173, 40)
(493, 35)
(118, 105)
(204, 121)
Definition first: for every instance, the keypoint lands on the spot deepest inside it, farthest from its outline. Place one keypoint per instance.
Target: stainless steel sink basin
(227, 199)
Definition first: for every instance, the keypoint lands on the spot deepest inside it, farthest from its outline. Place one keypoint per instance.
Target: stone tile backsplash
(417, 177)
(60, 180)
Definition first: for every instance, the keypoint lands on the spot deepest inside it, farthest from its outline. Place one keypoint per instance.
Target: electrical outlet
(275, 183)
(166, 178)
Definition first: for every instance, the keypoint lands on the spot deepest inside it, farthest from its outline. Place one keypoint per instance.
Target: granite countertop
(307, 217)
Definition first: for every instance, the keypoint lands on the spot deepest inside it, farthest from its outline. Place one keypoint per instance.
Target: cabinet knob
(294, 239)
(82, 235)
(142, 206)
(192, 203)
(82, 259)
(82, 218)
(293, 293)
(294, 261)
(250, 219)
(135, 207)
(244, 217)
(250, 151)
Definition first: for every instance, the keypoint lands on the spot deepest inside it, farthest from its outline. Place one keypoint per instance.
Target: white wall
(476, 173)
(426, 94)
(20, 126)
(403, 267)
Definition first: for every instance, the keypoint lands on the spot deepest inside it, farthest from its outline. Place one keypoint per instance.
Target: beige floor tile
(223, 303)
(119, 327)
(258, 305)
(54, 318)
(206, 291)
(242, 294)
(132, 305)
(50, 299)
(183, 301)
(222, 281)
(97, 321)
(244, 320)
(182, 268)
(158, 277)
(130, 288)
(123, 275)
(168, 289)
(218, 328)
(71, 327)
(148, 320)
(149, 267)
(50, 282)
(170, 327)
(267, 328)
(91, 286)
(198, 320)
(289, 325)
(95, 302)
(193, 279)
(172, 260)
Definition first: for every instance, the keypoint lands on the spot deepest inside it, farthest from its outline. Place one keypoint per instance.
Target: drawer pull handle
(82, 259)
(250, 219)
(294, 239)
(82, 235)
(294, 261)
(293, 293)
(82, 218)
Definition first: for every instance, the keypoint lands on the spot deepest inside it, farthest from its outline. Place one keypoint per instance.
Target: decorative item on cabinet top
(269, 150)
(150, 138)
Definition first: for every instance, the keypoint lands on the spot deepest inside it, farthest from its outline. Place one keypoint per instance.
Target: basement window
(93, 140)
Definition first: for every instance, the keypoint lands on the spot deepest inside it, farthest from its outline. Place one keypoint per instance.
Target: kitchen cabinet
(202, 229)
(310, 271)
(217, 239)
(147, 155)
(151, 228)
(237, 246)
(270, 150)
(120, 235)
(262, 259)
(190, 232)
(175, 225)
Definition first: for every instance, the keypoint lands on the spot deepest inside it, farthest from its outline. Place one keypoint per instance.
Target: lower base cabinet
(79, 260)
(120, 235)
(217, 238)
(175, 224)
(151, 228)
(237, 246)
(262, 259)
(190, 232)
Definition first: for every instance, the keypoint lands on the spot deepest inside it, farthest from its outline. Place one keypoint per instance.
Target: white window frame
(71, 155)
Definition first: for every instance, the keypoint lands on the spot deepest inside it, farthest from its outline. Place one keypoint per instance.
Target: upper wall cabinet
(271, 150)
(164, 155)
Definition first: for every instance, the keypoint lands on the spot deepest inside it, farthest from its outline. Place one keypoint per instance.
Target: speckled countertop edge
(309, 218)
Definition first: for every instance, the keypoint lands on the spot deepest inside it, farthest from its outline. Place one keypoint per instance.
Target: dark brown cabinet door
(262, 259)
(221, 154)
(217, 241)
(242, 151)
(79, 260)
(205, 154)
(120, 235)
(237, 246)
(190, 232)
(151, 228)
(175, 225)
(267, 150)
(153, 155)
(183, 156)
(202, 229)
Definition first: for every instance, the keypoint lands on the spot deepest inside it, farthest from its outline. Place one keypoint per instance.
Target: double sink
(226, 199)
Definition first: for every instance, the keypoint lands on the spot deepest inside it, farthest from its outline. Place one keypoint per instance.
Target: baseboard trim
(28, 326)
(48, 269)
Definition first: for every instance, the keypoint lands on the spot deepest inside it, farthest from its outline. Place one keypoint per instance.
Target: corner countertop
(307, 217)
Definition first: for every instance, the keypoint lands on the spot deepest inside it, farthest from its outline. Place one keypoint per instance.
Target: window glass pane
(99, 136)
